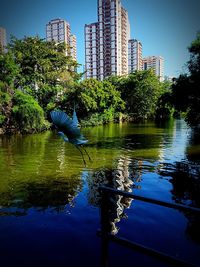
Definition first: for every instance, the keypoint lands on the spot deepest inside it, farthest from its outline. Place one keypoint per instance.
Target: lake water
(49, 201)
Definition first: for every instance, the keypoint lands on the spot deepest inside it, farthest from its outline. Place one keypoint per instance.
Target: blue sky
(165, 27)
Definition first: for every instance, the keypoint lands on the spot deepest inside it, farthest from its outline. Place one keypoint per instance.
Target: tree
(5, 104)
(8, 73)
(42, 65)
(186, 88)
(8, 67)
(165, 109)
(93, 98)
(27, 115)
(140, 90)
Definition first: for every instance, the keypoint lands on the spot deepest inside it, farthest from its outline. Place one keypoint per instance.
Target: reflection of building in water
(122, 178)
(121, 181)
(61, 158)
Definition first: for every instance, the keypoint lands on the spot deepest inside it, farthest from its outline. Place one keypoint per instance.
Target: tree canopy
(140, 91)
(186, 88)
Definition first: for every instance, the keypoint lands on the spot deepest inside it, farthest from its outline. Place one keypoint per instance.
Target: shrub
(27, 114)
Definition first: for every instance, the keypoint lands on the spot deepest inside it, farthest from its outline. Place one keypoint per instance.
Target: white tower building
(106, 41)
(58, 30)
(134, 55)
(156, 63)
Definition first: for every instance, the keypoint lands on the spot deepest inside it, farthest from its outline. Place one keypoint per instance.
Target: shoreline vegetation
(37, 77)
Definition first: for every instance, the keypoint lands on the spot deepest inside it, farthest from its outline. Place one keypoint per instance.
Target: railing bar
(149, 251)
(149, 200)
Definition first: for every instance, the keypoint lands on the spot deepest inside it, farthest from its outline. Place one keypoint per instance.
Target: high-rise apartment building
(156, 63)
(3, 41)
(73, 46)
(125, 36)
(58, 30)
(106, 41)
(92, 51)
(134, 55)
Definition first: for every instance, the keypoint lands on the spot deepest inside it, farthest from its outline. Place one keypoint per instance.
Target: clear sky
(165, 27)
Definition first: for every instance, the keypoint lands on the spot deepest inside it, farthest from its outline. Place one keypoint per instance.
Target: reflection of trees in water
(185, 179)
(44, 194)
(119, 179)
(193, 147)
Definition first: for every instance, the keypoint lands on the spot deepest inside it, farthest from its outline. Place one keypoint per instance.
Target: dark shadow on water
(185, 179)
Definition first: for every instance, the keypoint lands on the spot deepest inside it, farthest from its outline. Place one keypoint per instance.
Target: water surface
(49, 201)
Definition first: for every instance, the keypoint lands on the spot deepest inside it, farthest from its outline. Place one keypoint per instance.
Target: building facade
(92, 51)
(156, 63)
(72, 42)
(3, 42)
(106, 41)
(58, 30)
(134, 55)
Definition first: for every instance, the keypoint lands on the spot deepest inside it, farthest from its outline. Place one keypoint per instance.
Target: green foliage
(101, 118)
(93, 97)
(140, 91)
(186, 88)
(44, 68)
(5, 103)
(8, 67)
(27, 115)
(165, 109)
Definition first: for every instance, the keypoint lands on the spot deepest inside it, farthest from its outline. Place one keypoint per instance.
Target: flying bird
(68, 129)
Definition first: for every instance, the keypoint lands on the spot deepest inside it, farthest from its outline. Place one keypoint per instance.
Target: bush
(27, 115)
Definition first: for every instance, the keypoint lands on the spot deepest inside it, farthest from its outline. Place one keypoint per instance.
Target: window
(55, 26)
(48, 34)
(87, 37)
(112, 60)
(93, 28)
(61, 25)
(112, 12)
(112, 21)
(55, 32)
(113, 52)
(61, 31)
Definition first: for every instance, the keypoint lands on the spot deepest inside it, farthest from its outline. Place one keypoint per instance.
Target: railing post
(105, 227)
(106, 235)
(105, 212)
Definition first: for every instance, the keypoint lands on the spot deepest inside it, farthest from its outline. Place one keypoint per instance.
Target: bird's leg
(81, 155)
(86, 153)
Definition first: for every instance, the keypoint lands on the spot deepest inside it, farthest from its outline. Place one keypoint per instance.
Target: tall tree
(42, 63)
(8, 73)
(186, 89)
(140, 90)
(8, 68)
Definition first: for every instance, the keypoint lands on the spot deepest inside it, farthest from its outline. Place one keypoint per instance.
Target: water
(49, 201)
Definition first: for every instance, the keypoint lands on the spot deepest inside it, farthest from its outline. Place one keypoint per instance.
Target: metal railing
(106, 236)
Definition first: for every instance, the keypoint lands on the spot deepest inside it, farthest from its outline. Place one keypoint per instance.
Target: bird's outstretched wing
(75, 119)
(66, 125)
